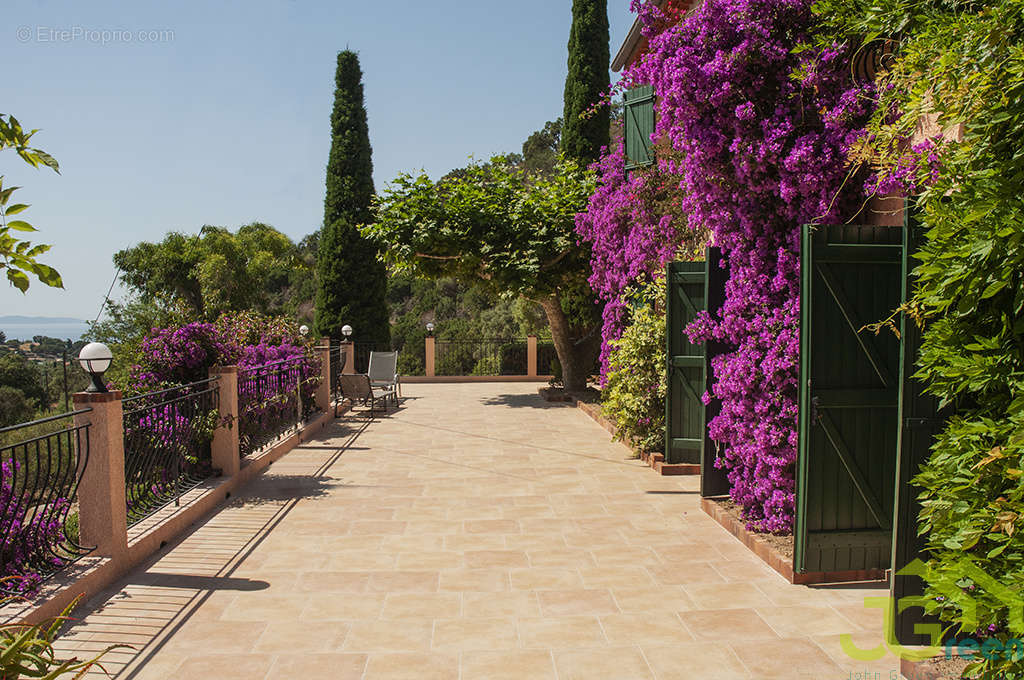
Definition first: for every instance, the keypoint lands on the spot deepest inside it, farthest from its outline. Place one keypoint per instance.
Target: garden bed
(777, 551)
(938, 668)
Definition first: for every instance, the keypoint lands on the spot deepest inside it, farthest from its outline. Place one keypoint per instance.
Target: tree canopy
(215, 271)
(495, 223)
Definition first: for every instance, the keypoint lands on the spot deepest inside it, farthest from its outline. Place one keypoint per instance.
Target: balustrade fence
(273, 400)
(167, 437)
(40, 467)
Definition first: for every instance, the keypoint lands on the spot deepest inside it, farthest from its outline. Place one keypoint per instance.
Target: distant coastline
(26, 327)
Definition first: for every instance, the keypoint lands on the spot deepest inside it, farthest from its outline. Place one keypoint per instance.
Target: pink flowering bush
(759, 134)
(634, 227)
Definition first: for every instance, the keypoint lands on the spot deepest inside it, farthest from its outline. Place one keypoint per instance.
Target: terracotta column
(429, 355)
(102, 507)
(225, 447)
(531, 356)
(350, 357)
(323, 390)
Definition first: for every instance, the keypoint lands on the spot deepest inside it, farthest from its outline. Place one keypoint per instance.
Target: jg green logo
(949, 589)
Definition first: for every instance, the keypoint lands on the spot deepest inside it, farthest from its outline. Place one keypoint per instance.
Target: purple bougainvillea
(759, 134)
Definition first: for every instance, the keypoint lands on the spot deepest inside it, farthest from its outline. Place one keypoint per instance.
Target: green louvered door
(713, 481)
(851, 275)
(638, 123)
(684, 410)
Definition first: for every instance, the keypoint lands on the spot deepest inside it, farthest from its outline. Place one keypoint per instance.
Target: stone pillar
(102, 506)
(323, 391)
(225, 448)
(350, 357)
(531, 356)
(428, 350)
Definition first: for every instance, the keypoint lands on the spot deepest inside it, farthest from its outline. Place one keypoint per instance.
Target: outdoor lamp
(95, 358)
(346, 330)
(430, 328)
(304, 330)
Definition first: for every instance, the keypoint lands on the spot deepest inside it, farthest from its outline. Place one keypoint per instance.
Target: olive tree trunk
(574, 365)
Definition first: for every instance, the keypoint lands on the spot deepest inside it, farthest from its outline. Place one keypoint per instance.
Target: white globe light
(95, 357)
(346, 330)
(304, 330)
(430, 326)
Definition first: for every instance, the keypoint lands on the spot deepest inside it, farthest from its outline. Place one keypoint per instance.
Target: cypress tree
(587, 79)
(351, 283)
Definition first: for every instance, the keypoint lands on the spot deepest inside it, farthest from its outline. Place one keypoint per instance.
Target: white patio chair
(383, 373)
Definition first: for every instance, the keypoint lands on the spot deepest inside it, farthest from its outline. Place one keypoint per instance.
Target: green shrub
(634, 394)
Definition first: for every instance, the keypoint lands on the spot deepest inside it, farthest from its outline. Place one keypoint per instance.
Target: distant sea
(26, 327)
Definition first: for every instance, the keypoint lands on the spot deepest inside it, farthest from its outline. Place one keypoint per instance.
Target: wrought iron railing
(41, 464)
(167, 437)
(338, 354)
(547, 359)
(499, 356)
(272, 400)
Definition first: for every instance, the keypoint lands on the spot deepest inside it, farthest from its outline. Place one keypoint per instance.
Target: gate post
(102, 503)
(531, 356)
(429, 355)
(323, 390)
(224, 451)
(350, 357)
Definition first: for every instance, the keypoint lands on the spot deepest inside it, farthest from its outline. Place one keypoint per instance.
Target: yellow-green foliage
(634, 394)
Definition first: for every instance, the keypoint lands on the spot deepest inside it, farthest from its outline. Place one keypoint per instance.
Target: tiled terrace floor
(476, 533)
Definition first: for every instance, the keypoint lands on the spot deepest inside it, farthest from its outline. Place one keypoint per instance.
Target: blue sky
(168, 116)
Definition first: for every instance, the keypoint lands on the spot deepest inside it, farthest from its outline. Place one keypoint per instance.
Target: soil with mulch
(939, 668)
(784, 544)
(587, 396)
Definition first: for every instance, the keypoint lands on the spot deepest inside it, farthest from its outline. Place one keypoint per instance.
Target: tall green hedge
(352, 284)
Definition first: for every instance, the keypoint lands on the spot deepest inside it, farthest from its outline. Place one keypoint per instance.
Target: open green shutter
(638, 124)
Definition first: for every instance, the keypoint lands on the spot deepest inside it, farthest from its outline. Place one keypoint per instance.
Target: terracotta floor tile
(545, 578)
(334, 666)
(412, 667)
(689, 661)
(653, 628)
(571, 632)
(510, 604)
(790, 658)
(476, 559)
(223, 665)
(344, 607)
(793, 621)
(723, 625)
(474, 533)
(656, 598)
(577, 602)
(403, 581)
(424, 606)
(622, 663)
(727, 595)
(481, 580)
(474, 634)
(508, 665)
(388, 636)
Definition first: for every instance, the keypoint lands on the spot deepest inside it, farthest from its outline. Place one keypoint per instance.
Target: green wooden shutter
(846, 464)
(638, 125)
(713, 481)
(684, 410)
